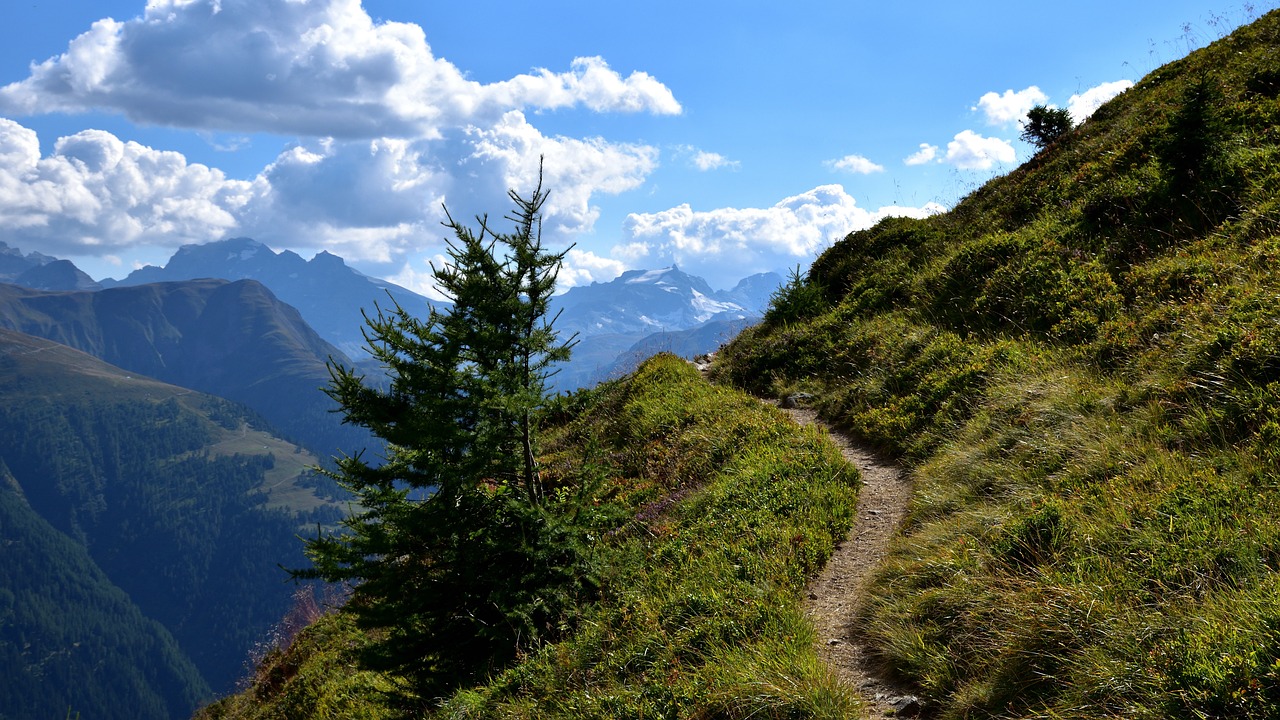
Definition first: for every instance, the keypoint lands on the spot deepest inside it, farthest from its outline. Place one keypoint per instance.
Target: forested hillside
(139, 513)
(1081, 364)
(69, 638)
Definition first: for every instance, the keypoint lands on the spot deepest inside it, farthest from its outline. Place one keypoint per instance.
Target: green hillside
(139, 499)
(719, 509)
(231, 339)
(1080, 367)
(1081, 364)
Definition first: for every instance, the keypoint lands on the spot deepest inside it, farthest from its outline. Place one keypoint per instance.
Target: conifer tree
(457, 554)
(1044, 125)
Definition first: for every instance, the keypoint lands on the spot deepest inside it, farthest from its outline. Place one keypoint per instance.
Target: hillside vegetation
(231, 339)
(1081, 365)
(715, 511)
(143, 526)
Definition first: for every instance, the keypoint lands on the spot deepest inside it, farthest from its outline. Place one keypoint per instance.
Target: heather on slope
(1080, 364)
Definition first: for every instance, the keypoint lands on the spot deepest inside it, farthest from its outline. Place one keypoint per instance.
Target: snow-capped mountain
(645, 310)
(650, 301)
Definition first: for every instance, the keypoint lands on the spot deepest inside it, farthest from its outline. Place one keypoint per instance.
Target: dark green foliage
(873, 269)
(1045, 125)
(69, 638)
(184, 537)
(461, 552)
(799, 299)
(1034, 538)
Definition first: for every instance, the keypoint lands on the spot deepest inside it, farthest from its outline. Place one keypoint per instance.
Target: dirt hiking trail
(831, 599)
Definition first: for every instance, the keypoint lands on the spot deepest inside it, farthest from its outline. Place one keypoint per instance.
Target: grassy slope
(1081, 363)
(721, 509)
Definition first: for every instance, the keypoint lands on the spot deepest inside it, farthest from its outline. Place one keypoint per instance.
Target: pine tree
(457, 555)
(1044, 125)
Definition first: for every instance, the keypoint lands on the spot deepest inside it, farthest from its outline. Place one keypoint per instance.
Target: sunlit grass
(721, 510)
(1081, 366)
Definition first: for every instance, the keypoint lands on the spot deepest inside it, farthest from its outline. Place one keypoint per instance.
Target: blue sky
(728, 137)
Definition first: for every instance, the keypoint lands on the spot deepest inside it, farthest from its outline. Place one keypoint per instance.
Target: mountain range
(232, 339)
(143, 525)
(328, 293)
(609, 319)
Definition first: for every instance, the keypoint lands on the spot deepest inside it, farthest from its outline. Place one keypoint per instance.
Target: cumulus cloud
(418, 276)
(1010, 107)
(374, 200)
(971, 151)
(507, 156)
(726, 244)
(855, 164)
(1083, 105)
(924, 155)
(582, 267)
(95, 194)
(320, 68)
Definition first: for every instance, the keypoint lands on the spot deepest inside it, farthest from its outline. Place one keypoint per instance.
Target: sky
(729, 138)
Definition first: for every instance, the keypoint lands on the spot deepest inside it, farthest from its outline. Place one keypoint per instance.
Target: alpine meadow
(1077, 366)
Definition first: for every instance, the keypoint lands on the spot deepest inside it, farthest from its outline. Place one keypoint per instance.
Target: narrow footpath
(832, 598)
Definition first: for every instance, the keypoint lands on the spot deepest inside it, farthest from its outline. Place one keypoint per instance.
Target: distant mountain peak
(329, 293)
(13, 263)
(661, 299)
(324, 258)
(650, 276)
(57, 275)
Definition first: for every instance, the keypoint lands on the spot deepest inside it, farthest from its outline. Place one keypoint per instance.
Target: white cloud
(924, 155)
(727, 244)
(1010, 107)
(589, 82)
(705, 161)
(95, 194)
(364, 199)
(582, 267)
(375, 200)
(421, 279)
(507, 156)
(971, 151)
(1083, 105)
(314, 68)
(855, 164)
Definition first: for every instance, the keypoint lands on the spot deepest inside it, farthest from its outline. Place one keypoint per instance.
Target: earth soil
(831, 599)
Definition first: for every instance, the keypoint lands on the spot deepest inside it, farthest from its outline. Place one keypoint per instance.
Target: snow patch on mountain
(704, 308)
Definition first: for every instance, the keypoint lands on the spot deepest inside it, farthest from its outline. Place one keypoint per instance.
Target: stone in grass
(794, 401)
(904, 706)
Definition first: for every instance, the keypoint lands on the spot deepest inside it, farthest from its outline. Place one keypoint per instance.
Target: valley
(1018, 459)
